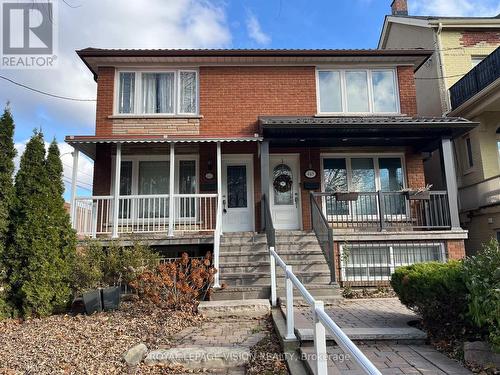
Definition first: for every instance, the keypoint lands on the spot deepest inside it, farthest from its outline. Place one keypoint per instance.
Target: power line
(430, 78)
(44, 92)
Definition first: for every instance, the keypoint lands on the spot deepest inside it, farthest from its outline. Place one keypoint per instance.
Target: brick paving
(223, 332)
(392, 360)
(362, 313)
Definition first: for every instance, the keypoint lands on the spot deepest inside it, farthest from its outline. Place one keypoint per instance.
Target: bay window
(154, 93)
(357, 91)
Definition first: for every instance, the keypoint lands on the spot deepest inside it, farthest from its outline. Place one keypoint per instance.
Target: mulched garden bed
(355, 293)
(83, 344)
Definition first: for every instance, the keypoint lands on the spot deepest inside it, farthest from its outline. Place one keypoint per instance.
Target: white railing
(93, 215)
(145, 214)
(321, 321)
(217, 236)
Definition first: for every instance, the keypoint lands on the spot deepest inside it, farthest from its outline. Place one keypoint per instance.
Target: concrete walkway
(380, 329)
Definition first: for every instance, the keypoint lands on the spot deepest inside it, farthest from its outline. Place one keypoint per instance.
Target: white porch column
(74, 176)
(451, 181)
(116, 189)
(171, 210)
(219, 175)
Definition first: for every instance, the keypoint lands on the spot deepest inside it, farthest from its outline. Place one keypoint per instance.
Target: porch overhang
(87, 144)
(424, 134)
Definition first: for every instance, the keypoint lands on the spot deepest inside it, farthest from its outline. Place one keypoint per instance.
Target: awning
(423, 133)
(87, 143)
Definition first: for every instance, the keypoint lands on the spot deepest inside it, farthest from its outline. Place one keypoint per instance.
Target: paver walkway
(390, 357)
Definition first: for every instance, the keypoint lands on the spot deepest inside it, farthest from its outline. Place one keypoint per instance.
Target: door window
(282, 185)
(153, 179)
(187, 185)
(236, 186)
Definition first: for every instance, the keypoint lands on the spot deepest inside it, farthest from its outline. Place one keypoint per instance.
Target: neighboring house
(194, 144)
(459, 44)
(476, 96)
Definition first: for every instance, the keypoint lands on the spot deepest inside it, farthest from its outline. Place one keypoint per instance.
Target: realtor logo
(28, 37)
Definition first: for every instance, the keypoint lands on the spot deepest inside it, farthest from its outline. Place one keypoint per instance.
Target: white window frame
(343, 91)
(390, 265)
(467, 168)
(138, 103)
(376, 168)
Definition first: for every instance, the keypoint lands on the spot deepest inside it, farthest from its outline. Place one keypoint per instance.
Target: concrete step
(263, 278)
(324, 292)
(249, 308)
(241, 293)
(263, 266)
(244, 248)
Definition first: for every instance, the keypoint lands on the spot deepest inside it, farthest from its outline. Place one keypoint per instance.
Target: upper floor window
(357, 91)
(476, 60)
(167, 92)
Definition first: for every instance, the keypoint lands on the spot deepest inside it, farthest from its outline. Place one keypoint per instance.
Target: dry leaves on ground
(82, 344)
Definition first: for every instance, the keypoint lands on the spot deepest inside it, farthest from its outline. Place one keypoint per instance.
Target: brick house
(211, 147)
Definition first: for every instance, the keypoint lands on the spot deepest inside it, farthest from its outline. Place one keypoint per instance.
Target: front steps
(244, 265)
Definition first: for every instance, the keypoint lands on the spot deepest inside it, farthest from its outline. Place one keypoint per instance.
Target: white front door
(284, 194)
(237, 193)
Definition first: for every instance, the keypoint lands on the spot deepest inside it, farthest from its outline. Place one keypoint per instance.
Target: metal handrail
(217, 236)
(268, 223)
(326, 246)
(321, 321)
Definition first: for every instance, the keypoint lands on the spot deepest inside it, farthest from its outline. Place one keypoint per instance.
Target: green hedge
(436, 291)
(482, 277)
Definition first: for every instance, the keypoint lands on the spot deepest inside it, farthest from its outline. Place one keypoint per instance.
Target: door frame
(249, 160)
(299, 181)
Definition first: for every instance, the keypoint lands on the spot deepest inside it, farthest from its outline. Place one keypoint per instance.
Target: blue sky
(189, 24)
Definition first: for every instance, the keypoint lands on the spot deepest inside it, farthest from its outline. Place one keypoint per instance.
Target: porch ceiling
(424, 134)
(87, 143)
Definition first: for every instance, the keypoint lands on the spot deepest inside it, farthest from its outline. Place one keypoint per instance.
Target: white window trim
(467, 168)
(135, 159)
(343, 89)
(138, 92)
(392, 266)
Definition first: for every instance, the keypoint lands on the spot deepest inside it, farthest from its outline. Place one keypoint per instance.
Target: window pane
(330, 98)
(236, 186)
(335, 177)
(468, 146)
(158, 92)
(126, 93)
(357, 92)
(283, 179)
(153, 179)
(125, 189)
(384, 91)
(188, 92)
(363, 180)
(187, 185)
(391, 174)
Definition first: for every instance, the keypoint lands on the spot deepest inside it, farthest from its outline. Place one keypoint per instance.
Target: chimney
(399, 7)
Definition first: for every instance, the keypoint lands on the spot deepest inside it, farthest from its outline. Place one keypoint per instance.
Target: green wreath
(282, 183)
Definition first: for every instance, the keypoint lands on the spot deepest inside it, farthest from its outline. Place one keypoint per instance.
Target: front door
(284, 194)
(237, 193)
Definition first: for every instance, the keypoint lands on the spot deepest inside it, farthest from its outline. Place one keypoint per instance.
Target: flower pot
(111, 298)
(345, 197)
(418, 195)
(92, 301)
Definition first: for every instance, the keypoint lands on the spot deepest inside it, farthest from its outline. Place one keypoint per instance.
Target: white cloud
(85, 165)
(464, 8)
(255, 31)
(105, 24)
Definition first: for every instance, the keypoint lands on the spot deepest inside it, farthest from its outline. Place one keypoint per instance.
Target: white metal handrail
(321, 321)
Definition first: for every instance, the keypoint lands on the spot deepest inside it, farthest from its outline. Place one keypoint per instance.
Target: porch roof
(423, 133)
(87, 143)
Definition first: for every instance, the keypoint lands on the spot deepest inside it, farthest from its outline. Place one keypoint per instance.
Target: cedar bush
(35, 265)
(178, 284)
(96, 265)
(482, 278)
(436, 291)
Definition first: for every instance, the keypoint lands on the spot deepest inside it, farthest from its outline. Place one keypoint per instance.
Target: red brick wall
(232, 98)
(105, 83)
(407, 90)
(471, 38)
(455, 249)
(415, 175)
(102, 170)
